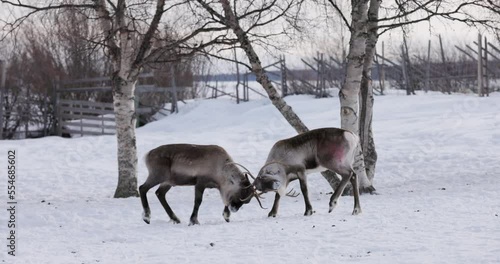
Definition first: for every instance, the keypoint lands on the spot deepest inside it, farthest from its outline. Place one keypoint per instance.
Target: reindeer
(204, 166)
(316, 150)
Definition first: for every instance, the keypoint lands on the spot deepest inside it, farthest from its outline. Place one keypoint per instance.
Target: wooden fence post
(27, 114)
(318, 73)
(58, 107)
(382, 87)
(323, 76)
(428, 69)
(3, 77)
(445, 69)
(408, 68)
(45, 117)
(479, 65)
(216, 89)
(174, 90)
(245, 87)
(487, 79)
(284, 84)
(55, 106)
(237, 77)
(405, 71)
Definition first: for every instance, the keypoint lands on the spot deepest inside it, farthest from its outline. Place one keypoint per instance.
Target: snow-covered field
(438, 184)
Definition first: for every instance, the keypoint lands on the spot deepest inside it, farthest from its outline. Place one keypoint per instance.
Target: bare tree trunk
(365, 126)
(261, 76)
(125, 118)
(127, 61)
(349, 93)
(263, 79)
(124, 78)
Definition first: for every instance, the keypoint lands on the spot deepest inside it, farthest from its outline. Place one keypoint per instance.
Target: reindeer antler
(248, 171)
(257, 195)
(292, 193)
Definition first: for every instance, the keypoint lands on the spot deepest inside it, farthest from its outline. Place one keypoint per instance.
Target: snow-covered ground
(438, 184)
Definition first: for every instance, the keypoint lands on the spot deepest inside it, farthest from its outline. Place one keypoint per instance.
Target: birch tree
(128, 30)
(356, 95)
(229, 18)
(349, 92)
(366, 98)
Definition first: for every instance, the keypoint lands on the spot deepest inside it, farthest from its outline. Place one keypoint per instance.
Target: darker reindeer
(204, 166)
(318, 150)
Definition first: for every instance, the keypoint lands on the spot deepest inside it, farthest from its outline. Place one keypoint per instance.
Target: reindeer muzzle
(264, 184)
(233, 209)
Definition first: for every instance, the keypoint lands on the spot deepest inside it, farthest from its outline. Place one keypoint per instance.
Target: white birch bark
(125, 119)
(263, 79)
(123, 82)
(126, 61)
(257, 69)
(349, 94)
(366, 133)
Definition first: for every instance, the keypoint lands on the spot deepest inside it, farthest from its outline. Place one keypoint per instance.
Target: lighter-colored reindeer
(316, 150)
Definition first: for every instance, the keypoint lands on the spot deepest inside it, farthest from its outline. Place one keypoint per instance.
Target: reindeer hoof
(271, 214)
(226, 215)
(146, 218)
(308, 212)
(332, 206)
(193, 222)
(370, 189)
(175, 221)
(356, 211)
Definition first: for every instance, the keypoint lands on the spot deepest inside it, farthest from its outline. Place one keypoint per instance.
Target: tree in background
(255, 15)
(366, 25)
(126, 31)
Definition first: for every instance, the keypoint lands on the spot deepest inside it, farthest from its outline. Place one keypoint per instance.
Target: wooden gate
(90, 117)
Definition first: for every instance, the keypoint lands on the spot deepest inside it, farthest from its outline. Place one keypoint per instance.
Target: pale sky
(322, 36)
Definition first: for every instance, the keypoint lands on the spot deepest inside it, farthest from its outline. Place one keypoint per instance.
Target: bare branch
(47, 7)
(107, 28)
(336, 7)
(146, 42)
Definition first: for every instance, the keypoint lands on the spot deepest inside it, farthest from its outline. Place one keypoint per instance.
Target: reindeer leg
(198, 197)
(274, 210)
(226, 213)
(338, 191)
(303, 188)
(160, 193)
(143, 190)
(354, 182)
(146, 215)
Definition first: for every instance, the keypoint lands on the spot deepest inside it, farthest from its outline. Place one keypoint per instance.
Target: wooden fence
(81, 117)
(88, 118)
(85, 118)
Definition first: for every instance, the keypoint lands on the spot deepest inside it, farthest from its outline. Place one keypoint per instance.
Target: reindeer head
(272, 177)
(245, 193)
(242, 196)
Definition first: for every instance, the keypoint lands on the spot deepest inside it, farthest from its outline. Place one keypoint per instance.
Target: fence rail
(79, 117)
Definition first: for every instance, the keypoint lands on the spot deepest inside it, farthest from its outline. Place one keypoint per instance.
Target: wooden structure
(448, 73)
(85, 117)
(17, 115)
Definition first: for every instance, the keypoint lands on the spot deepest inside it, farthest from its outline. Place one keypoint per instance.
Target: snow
(437, 181)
